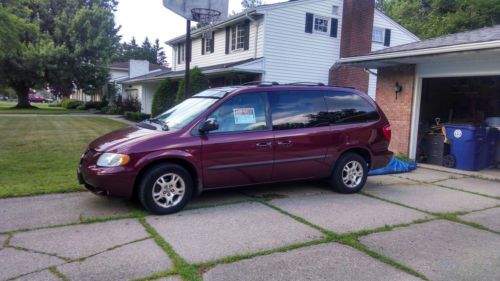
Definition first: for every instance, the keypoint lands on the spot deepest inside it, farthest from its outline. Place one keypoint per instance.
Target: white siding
(399, 36)
(219, 55)
(118, 74)
(291, 54)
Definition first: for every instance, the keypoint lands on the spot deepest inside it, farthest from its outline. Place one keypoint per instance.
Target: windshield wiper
(163, 124)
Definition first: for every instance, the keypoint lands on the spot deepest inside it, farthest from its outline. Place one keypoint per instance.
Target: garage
(451, 105)
(442, 97)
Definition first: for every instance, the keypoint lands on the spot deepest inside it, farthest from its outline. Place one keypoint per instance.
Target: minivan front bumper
(107, 181)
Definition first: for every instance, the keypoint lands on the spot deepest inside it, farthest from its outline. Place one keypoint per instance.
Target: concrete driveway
(420, 225)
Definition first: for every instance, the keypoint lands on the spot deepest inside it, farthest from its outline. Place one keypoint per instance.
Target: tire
(349, 174)
(159, 194)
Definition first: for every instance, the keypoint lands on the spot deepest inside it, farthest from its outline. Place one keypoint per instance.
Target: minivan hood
(121, 138)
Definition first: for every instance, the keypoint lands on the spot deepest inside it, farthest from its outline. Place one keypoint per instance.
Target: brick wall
(399, 110)
(356, 39)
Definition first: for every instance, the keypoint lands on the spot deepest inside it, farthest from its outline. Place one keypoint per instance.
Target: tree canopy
(58, 44)
(151, 52)
(432, 18)
(249, 4)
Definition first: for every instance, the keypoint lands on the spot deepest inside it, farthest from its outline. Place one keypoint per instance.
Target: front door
(302, 135)
(240, 152)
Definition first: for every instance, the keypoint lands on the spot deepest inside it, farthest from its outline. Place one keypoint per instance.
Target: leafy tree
(151, 52)
(431, 18)
(198, 81)
(164, 97)
(66, 43)
(250, 4)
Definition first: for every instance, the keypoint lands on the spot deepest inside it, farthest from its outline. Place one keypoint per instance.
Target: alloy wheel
(168, 190)
(352, 174)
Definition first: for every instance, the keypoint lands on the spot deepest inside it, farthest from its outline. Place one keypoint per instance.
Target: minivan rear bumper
(107, 181)
(381, 160)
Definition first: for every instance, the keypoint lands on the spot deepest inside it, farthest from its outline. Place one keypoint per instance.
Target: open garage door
(469, 109)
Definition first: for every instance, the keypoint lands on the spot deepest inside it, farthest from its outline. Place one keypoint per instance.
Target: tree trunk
(23, 101)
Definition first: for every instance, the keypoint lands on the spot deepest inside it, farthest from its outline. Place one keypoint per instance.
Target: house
(287, 42)
(455, 78)
(120, 71)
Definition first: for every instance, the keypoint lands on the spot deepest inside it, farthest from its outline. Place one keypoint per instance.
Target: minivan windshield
(182, 114)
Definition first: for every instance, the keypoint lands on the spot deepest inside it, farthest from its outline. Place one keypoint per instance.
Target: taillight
(387, 132)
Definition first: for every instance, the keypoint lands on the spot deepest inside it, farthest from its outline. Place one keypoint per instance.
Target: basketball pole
(187, 88)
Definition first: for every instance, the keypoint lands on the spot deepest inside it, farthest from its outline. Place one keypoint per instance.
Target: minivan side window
(244, 112)
(293, 110)
(344, 108)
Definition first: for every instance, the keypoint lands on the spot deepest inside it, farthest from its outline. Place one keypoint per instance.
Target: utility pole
(187, 89)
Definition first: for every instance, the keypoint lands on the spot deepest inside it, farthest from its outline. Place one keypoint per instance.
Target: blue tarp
(395, 166)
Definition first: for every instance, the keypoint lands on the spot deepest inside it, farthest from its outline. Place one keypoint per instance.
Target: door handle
(284, 142)
(263, 145)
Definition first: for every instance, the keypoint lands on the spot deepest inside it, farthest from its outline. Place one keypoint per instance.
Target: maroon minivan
(238, 136)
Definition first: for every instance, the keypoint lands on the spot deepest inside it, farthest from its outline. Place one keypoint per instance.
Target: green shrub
(164, 97)
(96, 104)
(81, 107)
(404, 157)
(136, 116)
(114, 110)
(131, 103)
(71, 103)
(198, 81)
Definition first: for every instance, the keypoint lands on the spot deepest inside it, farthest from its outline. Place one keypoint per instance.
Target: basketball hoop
(206, 18)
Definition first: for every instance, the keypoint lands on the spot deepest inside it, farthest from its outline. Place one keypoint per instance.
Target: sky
(141, 18)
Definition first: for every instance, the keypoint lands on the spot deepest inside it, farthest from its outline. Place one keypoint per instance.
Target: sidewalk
(425, 224)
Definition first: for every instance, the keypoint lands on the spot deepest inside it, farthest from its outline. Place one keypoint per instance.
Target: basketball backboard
(183, 7)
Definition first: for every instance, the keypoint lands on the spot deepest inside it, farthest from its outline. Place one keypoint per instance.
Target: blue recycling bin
(488, 150)
(466, 145)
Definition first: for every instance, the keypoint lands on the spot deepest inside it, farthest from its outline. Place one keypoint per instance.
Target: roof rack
(261, 83)
(273, 83)
(306, 84)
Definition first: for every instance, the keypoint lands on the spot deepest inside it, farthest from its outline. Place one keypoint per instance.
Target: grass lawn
(40, 154)
(43, 108)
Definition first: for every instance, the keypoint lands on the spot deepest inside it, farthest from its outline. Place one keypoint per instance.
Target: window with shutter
(320, 24)
(238, 36)
(207, 45)
(181, 53)
(378, 35)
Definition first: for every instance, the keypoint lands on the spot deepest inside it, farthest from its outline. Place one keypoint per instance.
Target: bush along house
(294, 41)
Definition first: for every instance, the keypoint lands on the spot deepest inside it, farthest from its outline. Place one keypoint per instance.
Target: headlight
(112, 160)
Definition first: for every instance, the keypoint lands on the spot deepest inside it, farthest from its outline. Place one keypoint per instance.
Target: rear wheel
(165, 189)
(349, 175)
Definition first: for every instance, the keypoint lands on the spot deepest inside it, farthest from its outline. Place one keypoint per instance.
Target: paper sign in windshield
(244, 116)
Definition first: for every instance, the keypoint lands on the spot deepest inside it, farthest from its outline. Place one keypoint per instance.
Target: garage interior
(470, 102)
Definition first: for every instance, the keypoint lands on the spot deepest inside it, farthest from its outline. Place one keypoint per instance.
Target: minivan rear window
(292, 110)
(344, 108)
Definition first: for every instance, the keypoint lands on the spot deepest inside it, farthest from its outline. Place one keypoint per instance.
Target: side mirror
(209, 125)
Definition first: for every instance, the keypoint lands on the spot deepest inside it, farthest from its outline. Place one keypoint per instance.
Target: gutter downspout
(256, 34)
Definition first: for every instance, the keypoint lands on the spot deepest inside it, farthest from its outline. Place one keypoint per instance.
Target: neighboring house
(455, 78)
(295, 41)
(120, 71)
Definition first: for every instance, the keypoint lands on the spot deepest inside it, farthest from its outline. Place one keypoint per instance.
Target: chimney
(137, 68)
(356, 39)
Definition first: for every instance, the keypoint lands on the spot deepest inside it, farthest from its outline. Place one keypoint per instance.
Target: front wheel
(165, 189)
(349, 175)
